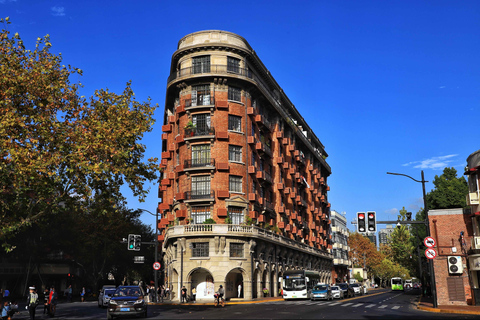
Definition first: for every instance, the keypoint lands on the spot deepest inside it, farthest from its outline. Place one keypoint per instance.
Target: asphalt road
(381, 304)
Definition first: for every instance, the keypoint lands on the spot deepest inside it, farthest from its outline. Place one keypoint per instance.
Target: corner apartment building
(244, 187)
(340, 249)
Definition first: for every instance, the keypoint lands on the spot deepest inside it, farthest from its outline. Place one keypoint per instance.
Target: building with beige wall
(244, 185)
(340, 249)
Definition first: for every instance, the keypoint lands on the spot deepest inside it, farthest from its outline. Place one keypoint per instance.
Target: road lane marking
(396, 307)
(357, 305)
(384, 306)
(335, 303)
(370, 306)
(347, 304)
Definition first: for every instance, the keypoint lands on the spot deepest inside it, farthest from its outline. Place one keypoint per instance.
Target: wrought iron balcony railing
(199, 163)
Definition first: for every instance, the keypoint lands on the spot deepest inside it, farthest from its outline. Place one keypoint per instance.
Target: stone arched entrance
(202, 280)
(234, 283)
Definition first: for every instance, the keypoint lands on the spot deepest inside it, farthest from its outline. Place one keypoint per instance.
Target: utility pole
(427, 224)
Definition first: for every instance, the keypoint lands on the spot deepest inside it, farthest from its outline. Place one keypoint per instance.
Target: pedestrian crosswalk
(355, 304)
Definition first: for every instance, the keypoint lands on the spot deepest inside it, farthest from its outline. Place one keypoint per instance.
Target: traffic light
(131, 242)
(409, 216)
(372, 223)
(137, 242)
(361, 222)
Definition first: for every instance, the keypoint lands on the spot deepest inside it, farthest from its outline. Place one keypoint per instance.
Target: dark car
(127, 301)
(347, 290)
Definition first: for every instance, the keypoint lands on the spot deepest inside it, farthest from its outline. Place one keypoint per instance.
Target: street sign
(429, 242)
(156, 265)
(139, 259)
(430, 253)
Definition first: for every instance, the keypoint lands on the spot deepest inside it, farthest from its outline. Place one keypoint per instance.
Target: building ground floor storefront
(246, 260)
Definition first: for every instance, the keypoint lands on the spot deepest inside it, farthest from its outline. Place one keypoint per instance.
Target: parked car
(321, 291)
(357, 289)
(105, 294)
(337, 293)
(127, 301)
(347, 290)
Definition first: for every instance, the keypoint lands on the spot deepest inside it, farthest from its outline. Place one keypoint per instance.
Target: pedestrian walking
(194, 294)
(239, 290)
(32, 302)
(52, 301)
(167, 293)
(82, 294)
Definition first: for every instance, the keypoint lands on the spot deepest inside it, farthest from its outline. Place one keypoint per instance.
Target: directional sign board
(429, 242)
(430, 253)
(156, 266)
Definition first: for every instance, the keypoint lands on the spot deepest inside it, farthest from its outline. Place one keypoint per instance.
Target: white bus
(298, 284)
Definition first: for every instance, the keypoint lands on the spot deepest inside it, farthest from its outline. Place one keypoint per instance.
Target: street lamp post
(156, 251)
(427, 223)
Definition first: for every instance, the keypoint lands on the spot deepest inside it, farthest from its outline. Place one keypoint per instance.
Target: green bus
(397, 284)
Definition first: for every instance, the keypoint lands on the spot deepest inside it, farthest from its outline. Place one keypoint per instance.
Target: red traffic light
(361, 216)
(371, 216)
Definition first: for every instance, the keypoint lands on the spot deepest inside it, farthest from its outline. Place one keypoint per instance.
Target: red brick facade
(281, 171)
(446, 226)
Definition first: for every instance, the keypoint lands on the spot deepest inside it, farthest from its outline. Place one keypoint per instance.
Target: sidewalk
(426, 304)
(204, 302)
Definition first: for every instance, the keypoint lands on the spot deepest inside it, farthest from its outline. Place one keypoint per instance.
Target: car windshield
(354, 285)
(343, 286)
(335, 288)
(109, 292)
(320, 287)
(127, 292)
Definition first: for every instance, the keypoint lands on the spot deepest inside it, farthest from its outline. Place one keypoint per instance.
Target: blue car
(127, 301)
(320, 292)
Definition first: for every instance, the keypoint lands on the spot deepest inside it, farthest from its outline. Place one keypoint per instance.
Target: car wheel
(109, 316)
(145, 314)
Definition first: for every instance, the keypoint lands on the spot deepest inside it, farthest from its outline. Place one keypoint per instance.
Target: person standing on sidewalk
(162, 292)
(32, 302)
(194, 294)
(82, 294)
(184, 294)
(46, 305)
(69, 293)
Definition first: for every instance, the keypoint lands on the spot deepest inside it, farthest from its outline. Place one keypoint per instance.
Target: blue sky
(385, 85)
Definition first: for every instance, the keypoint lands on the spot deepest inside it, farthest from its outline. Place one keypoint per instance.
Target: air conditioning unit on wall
(455, 264)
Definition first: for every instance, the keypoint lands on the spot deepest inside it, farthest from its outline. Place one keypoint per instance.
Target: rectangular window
(201, 64)
(235, 153)
(234, 123)
(200, 214)
(236, 250)
(201, 95)
(200, 249)
(234, 94)
(235, 183)
(200, 187)
(233, 64)
(200, 155)
(201, 124)
(236, 214)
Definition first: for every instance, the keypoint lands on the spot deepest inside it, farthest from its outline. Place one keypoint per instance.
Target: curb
(438, 310)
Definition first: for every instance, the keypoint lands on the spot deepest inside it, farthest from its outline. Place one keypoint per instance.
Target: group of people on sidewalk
(50, 300)
(162, 292)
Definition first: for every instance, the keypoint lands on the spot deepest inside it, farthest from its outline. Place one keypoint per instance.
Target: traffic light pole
(155, 273)
(427, 223)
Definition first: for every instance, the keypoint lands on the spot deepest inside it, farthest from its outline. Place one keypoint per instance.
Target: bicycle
(217, 301)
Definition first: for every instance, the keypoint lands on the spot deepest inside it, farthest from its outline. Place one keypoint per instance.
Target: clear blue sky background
(385, 85)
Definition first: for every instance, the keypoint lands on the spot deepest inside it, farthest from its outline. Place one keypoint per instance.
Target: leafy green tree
(402, 214)
(450, 191)
(403, 248)
(58, 149)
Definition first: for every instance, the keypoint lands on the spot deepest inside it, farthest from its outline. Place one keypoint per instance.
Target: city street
(380, 304)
